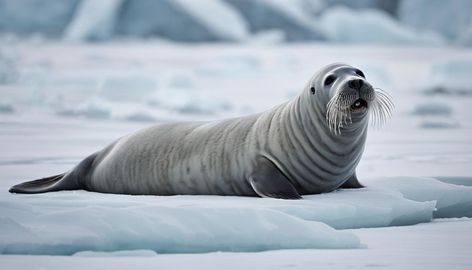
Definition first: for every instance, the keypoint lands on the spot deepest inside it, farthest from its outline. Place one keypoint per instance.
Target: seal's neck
(306, 149)
(310, 117)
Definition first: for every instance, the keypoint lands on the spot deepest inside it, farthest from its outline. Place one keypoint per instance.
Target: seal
(308, 145)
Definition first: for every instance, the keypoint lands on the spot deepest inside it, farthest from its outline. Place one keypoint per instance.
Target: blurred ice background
(77, 74)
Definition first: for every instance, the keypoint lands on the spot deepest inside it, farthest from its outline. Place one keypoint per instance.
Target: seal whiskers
(381, 108)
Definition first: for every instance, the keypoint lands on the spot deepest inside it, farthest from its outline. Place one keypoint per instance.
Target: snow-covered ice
(451, 200)
(65, 223)
(188, 225)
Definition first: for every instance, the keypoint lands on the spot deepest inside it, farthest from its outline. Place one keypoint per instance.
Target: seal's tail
(75, 179)
(52, 183)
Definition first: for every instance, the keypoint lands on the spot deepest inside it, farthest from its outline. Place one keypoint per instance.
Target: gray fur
(220, 158)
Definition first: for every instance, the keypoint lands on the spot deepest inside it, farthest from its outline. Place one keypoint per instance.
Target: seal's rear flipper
(47, 184)
(74, 179)
(268, 181)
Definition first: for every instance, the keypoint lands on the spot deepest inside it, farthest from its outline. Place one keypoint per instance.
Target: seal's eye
(313, 90)
(330, 79)
(360, 73)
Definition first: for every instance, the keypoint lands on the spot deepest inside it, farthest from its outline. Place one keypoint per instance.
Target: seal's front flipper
(268, 181)
(352, 182)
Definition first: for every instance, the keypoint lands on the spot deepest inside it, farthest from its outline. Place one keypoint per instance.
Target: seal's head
(346, 98)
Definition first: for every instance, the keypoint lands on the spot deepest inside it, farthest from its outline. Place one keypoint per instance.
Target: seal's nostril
(356, 84)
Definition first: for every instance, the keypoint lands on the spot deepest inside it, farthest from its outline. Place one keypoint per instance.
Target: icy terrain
(242, 21)
(61, 102)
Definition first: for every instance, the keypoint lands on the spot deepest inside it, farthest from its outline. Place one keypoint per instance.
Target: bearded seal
(311, 144)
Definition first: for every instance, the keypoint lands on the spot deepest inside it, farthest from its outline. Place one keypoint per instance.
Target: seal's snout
(356, 84)
(353, 98)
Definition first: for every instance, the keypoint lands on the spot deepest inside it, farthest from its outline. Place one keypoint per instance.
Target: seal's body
(311, 144)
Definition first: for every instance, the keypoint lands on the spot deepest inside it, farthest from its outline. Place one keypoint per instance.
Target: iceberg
(452, 19)
(287, 16)
(370, 26)
(26, 17)
(94, 20)
(186, 21)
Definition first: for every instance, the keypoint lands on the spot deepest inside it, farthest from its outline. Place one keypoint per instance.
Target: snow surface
(65, 101)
